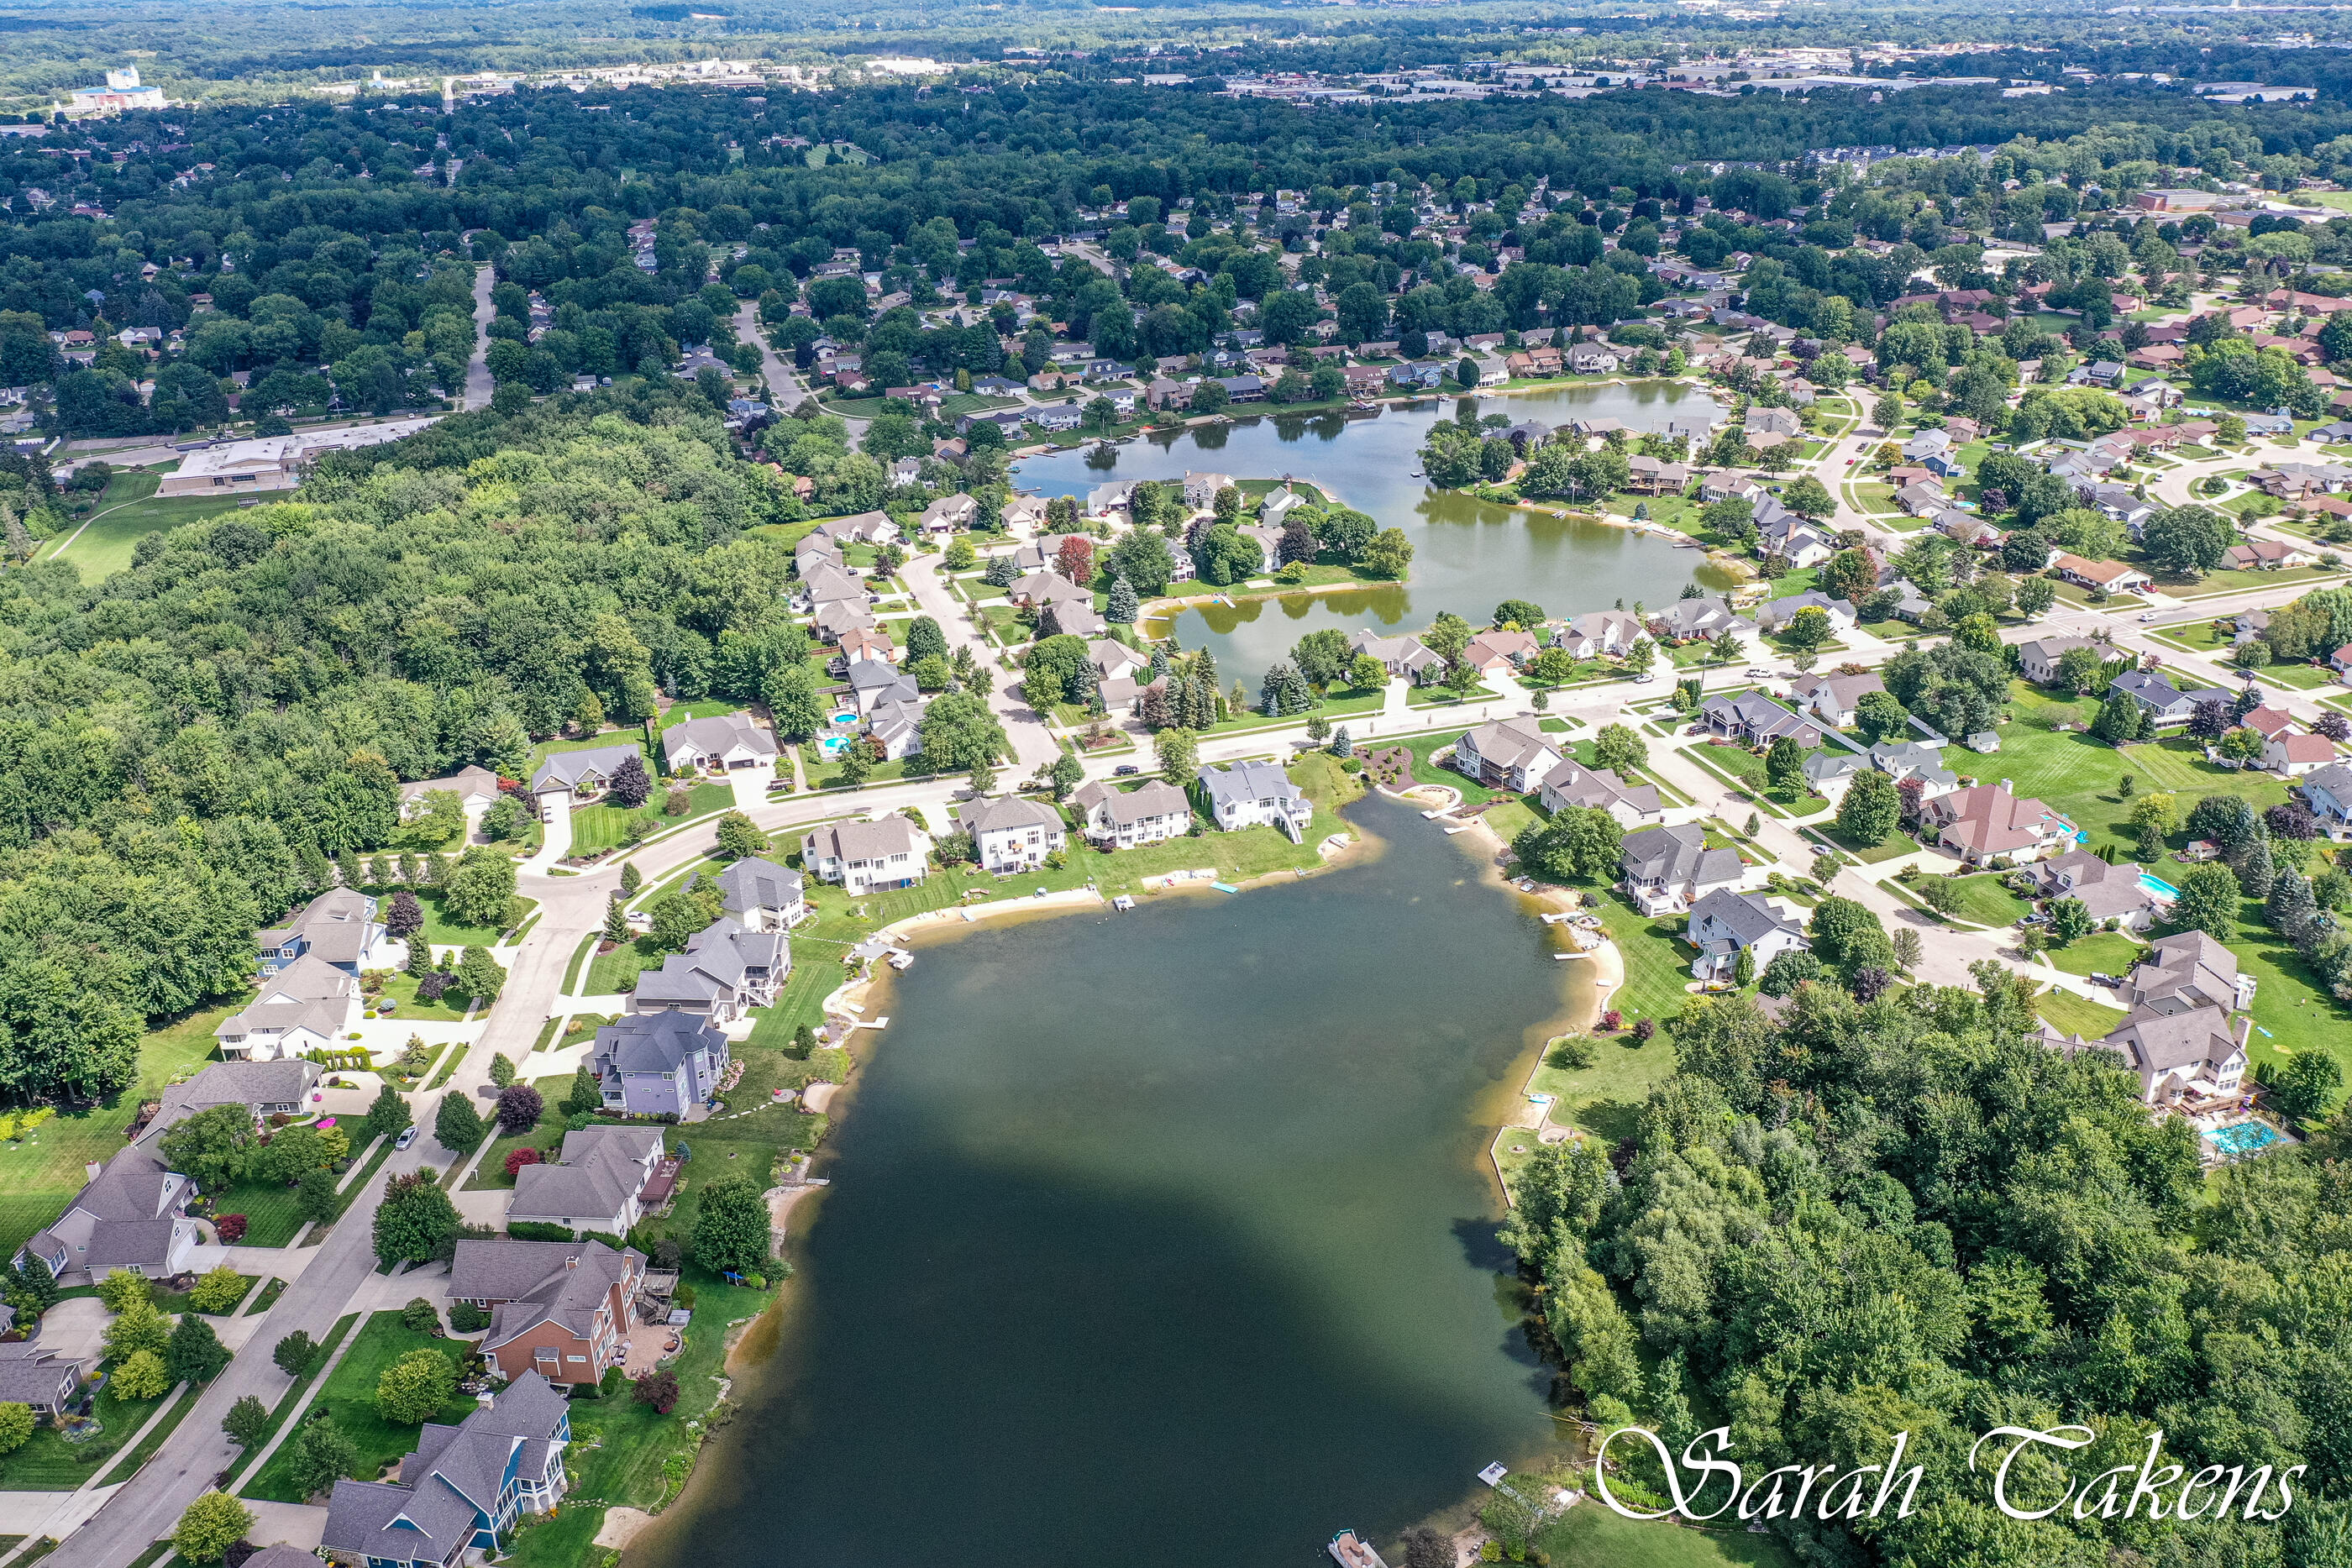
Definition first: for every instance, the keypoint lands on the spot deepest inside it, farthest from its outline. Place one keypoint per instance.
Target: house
(1276, 505)
(2298, 753)
(1573, 784)
(866, 645)
(2267, 555)
(948, 514)
(266, 1088)
(1651, 476)
(2109, 576)
(2116, 893)
(1919, 448)
(1754, 719)
(40, 1378)
(1010, 833)
(826, 581)
(897, 729)
(1778, 612)
(2164, 703)
(759, 895)
(726, 970)
(719, 743)
(1669, 869)
(868, 857)
(1796, 541)
(337, 928)
(565, 1302)
(659, 1064)
(1512, 754)
(299, 1007)
(1984, 822)
(461, 1494)
(1601, 634)
(477, 789)
(1256, 795)
(604, 1181)
(132, 1214)
(1700, 616)
(864, 528)
(2038, 661)
(1122, 819)
(1499, 653)
(1114, 661)
(1405, 656)
(2186, 971)
(1921, 498)
(1724, 923)
(2328, 792)
(1835, 699)
(1041, 588)
(1588, 360)
(1200, 489)
(580, 775)
(871, 686)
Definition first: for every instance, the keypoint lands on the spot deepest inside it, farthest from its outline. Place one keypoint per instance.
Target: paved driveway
(74, 1329)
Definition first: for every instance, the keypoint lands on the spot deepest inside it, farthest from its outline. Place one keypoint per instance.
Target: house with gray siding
(659, 1064)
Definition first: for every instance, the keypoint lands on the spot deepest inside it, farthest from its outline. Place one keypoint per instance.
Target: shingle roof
(1155, 798)
(567, 768)
(531, 1282)
(1510, 743)
(1248, 781)
(249, 1083)
(755, 883)
(717, 734)
(652, 1042)
(597, 1176)
(719, 959)
(893, 835)
(1006, 811)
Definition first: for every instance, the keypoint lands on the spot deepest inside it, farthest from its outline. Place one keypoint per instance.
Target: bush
(121, 1288)
(218, 1291)
(413, 1389)
(466, 1318)
(657, 1388)
(16, 1427)
(519, 1108)
(518, 1158)
(141, 1377)
(1574, 1052)
(419, 1316)
(231, 1227)
(212, 1523)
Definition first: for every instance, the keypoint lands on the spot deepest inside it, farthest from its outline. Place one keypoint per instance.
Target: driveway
(74, 1329)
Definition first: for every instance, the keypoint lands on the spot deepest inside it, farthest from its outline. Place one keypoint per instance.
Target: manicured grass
(441, 930)
(1897, 844)
(1606, 1098)
(595, 828)
(271, 1210)
(106, 547)
(40, 1172)
(492, 1172)
(2291, 1011)
(2075, 1015)
(1590, 1533)
(49, 1463)
(616, 971)
(2082, 776)
(2100, 953)
(349, 1399)
(1984, 902)
(264, 1301)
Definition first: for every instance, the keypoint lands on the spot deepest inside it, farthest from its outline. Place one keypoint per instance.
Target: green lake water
(1159, 1239)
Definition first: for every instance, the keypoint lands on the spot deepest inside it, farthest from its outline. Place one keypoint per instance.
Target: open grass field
(2082, 776)
(127, 512)
(2100, 953)
(597, 827)
(41, 1173)
(349, 1400)
(1590, 1534)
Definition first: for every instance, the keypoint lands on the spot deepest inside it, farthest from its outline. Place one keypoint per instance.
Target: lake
(1159, 1239)
(1468, 555)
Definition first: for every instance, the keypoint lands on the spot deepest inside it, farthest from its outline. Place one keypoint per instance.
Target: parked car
(1124, 770)
(407, 1136)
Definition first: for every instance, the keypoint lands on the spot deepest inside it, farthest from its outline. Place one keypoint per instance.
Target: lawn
(595, 828)
(105, 546)
(272, 1211)
(2082, 776)
(442, 931)
(349, 1400)
(2291, 1012)
(2077, 1015)
(1895, 845)
(1590, 1533)
(1984, 902)
(40, 1172)
(286, 1401)
(491, 1172)
(49, 1463)
(1604, 1098)
(2100, 953)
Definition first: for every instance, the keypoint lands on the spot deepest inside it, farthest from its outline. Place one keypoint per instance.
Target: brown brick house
(557, 1308)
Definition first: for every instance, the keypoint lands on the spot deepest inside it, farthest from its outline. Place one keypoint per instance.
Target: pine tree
(2291, 910)
(631, 879)
(347, 866)
(617, 921)
(1122, 608)
(1341, 745)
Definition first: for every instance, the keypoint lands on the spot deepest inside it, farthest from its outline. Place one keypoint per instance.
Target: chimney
(89, 1170)
(572, 1261)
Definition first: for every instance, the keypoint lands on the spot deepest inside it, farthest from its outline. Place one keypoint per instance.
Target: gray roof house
(1573, 784)
(659, 1064)
(1669, 869)
(1724, 923)
(1834, 699)
(302, 1007)
(264, 1088)
(1255, 794)
(2108, 892)
(2038, 661)
(1508, 753)
(41, 1378)
(1778, 612)
(474, 787)
(583, 773)
(721, 741)
(1700, 617)
(1755, 719)
(1126, 818)
(1011, 833)
(1407, 657)
(2196, 1054)
(339, 928)
(460, 1495)
(559, 1308)
(2165, 703)
(726, 970)
(2328, 792)
(2187, 970)
(599, 1185)
(868, 856)
(1601, 633)
(874, 682)
(133, 1215)
(758, 894)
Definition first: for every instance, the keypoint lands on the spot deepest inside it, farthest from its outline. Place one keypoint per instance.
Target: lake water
(1468, 556)
(1159, 1239)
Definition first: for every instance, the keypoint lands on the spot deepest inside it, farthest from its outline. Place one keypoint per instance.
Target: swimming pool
(832, 745)
(2243, 1138)
(845, 717)
(2158, 886)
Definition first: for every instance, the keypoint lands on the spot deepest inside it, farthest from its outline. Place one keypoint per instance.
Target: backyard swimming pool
(845, 717)
(2242, 1139)
(2158, 886)
(832, 745)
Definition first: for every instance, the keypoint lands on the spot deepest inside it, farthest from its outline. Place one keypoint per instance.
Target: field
(126, 512)
(349, 1400)
(2082, 776)
(1591, 1534)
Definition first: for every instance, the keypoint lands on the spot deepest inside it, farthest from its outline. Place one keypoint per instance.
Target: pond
(1468, 555)
(1160, 1239)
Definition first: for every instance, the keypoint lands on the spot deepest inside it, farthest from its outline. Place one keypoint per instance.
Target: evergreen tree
(1341, 745)
(196, 1353)
(457, 1126)
(2291, 910)
(617, 921)
(631, 879)
(1122, 607)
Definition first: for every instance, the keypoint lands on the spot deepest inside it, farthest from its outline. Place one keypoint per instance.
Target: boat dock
(1350, 1551)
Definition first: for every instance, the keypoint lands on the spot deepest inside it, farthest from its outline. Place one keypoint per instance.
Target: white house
(868, 857)
(1010, 833)
(1126, 818)
(1256, 795)
(719, 743)
(1724, 923)
(1511, 754)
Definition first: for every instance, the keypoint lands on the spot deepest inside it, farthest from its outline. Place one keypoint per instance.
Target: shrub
(16, 1427)
(419, 1316)
(121, 1288)
(657, 1388)
(218, 1291)
(414, 1389)
(466, 1318)
(518, 1158)
(212, 1523)
(231, 1227)
(141, 1377)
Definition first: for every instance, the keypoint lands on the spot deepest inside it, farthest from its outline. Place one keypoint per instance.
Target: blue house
(463, 1488)
(339, 928)
(659, 1064)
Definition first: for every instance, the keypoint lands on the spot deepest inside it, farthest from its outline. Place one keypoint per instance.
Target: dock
(1349, 1550)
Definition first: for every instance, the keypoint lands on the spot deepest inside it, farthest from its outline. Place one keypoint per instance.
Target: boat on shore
(1349, 1551)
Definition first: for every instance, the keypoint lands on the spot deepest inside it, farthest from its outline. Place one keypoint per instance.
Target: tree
(959, 732)
(416, 1221)
(1841, 930)
(2070, 920)
(1808, 498)
(616, 929)
(294, 1353)
(1615, 747)
(2080, 668)
(2035, 595)
(404, 917)
(1870, 808)
(414, 1388)
(737, 839)
(732, 1227)
(386, 1114)
(212, 1524)
(479, 888)
(456, 1125)
(2120, 720)
(2306, 1085)
(1389, 554)
(218, 1290)
(478, 974)
(196, 1353)
(519, 1109)
(1366, 674)
(2209, 901)
(925, 640)
(214, 1145)
(16, 1426)
(1123, 607)
(631, 784)
(1524, 614)
(2154, 819)
(1579, 843)
(657, 1388)
(1180, 756)
(1879, 717)
(1808, 628)
(502, 1072)
(140, 1375)
(2189, 540)
(1786, 971)
(315, 1195)
(321, 1456)
(1958, 690)
(1784, 764)
(137, 1326)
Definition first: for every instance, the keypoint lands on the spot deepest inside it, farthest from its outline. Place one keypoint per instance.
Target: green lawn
(549, 1135)
(286, 1401)
(1897, 844)
(2082, 776)
(271, 1211)
(2291, 1012)
(1604, 1098)
(2100, 953)
(595, 828)
(349, 1399)
(1590, 1536)
(128, 512)
(49, 1463)
(41, 1171)
(2075, 1015)
(1984, 902)
(440, 930)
